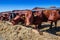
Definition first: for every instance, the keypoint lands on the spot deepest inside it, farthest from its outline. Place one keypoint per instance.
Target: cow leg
(55, 24)
(40, 32)
(35, 27)
(39, 26)
(51, 24)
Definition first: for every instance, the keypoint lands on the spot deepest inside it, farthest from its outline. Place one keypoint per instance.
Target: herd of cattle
(29, 17)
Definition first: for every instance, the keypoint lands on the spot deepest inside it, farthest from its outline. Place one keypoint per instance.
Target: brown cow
(51, 15)
(16, 19)
(37, 17)
(23, 16)
(28, 17)
(44, 16)
(4, 16)
(54, 17)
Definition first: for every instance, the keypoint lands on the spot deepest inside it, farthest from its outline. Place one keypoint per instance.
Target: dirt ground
(19, 32)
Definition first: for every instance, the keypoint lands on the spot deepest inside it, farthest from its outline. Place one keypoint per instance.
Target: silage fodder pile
(19, 32)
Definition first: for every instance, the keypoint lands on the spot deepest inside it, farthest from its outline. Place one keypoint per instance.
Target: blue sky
(7, 5)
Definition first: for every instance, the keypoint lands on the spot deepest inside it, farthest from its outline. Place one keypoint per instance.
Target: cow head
(47, 13)
(28, 17)
(53, 15)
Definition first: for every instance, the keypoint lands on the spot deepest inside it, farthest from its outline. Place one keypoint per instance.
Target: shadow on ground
(53, 31)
